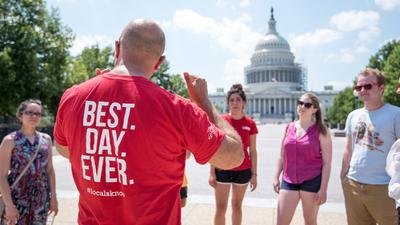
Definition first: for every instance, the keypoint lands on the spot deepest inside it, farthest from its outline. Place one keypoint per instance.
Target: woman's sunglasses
(306, 104)
(366, 87)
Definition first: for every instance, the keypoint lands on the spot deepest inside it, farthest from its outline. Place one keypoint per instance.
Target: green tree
(387, 60)
(178, 85)
(378, 60)
(343, 104)
(170, 82)
(94, 57)
(83, 66)
(392, 73)
(34, 50)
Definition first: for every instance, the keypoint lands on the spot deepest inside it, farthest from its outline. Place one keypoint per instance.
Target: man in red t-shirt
(126, 137)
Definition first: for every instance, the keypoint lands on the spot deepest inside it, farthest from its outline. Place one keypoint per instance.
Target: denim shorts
(312, 185)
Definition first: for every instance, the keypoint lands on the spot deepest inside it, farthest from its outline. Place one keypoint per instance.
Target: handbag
(2, 205)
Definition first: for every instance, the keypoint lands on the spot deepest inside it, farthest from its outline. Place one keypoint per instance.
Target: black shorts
(184, 191)
(233, 177)
(312, 185)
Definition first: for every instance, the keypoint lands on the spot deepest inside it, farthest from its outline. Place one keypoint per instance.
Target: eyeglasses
(31, 113)
(366, 87)
(305, 104)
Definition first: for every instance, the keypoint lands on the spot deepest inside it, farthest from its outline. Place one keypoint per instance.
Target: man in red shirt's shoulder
(126, 138)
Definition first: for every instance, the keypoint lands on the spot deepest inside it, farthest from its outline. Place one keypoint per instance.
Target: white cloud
(362, 49)
(81, 42)
(164, 24)
(344, 56)
(369, 34)
(354, 20)
(348, 55)
(244, 3)
(66, 1)
(387, 4)
(233, 70)
(315, 38)
(232, 35)
(232, 4)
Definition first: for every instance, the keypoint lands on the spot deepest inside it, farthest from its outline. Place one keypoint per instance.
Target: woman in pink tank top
(305, 161)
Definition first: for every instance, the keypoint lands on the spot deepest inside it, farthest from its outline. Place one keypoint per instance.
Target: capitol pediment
(272, 91)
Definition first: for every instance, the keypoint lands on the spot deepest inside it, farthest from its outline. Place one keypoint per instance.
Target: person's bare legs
(221, 200)
(238, 192)
(310, 207)
(287, 203)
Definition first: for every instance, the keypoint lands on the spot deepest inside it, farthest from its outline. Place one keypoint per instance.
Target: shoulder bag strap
(29, 164)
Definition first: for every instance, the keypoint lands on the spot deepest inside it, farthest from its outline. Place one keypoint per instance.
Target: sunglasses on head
(306, 104)
(365, 86)
(31, 113)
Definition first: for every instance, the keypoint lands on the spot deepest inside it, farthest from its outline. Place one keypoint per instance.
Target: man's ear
(383, 89)
(117, 52)
(160, 61)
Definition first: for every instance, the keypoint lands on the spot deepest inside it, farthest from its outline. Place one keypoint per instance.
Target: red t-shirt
(127, 139)
(245, 127)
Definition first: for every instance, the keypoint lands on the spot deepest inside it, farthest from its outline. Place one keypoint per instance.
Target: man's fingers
(99, 71)
(186, 75)
(190, 78)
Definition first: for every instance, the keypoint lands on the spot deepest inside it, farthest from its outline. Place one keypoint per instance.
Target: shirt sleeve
(59, 134)
(253, 128)
(202, 137)
(393, 169)
(348, 124)
(397, 124)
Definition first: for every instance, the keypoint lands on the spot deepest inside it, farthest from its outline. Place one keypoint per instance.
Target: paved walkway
(202, 214)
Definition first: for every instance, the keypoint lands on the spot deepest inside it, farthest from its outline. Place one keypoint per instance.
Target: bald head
(142, 40)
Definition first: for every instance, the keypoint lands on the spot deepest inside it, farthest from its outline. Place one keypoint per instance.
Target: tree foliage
(387, 60)
(34, 50)
(378, 60)
(171, 82)
(343, 104)
(94, 57)
(392, 71)
(83, 66)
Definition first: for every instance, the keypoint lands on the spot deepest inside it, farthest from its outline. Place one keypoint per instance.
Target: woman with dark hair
(238, 178)
(33, 196)
(305, 160)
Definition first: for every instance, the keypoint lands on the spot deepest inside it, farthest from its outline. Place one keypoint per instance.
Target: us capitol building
(274, 81)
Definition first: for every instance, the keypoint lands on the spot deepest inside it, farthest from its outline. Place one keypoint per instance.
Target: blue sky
(216, 38)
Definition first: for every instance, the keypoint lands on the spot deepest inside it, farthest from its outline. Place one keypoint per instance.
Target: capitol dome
(273, 64)
(272, 48)
(272, 41)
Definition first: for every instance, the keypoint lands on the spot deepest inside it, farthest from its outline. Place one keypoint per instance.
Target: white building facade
(274, 81)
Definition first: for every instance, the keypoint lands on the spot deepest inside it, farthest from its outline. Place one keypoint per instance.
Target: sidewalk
(202, 214)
